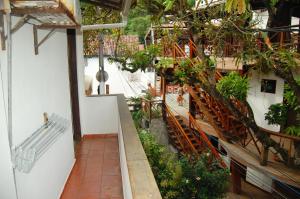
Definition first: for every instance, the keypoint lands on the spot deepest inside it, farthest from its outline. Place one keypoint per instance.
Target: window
(268, 86)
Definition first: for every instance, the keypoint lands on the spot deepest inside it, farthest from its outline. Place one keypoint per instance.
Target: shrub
(233, 85)
(184, 177)
(277, 114)
(293, 130)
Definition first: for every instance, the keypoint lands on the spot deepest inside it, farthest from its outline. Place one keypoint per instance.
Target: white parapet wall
(99, 115)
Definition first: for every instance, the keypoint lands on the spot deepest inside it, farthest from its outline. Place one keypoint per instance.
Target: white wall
(98, 115)
(259, 179)
(7, 188)
(261, 101)
(41, 84)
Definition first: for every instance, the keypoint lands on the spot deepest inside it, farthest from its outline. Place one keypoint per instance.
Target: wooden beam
(72, 59)
(20, 23)
(61, 9)
(35, 40)
(38, 43)
(236, 177)
(50, 26)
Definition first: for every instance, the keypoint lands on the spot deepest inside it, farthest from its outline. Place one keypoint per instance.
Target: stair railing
(204, 138)
(205, 112)
(180, 129)
(148, 106)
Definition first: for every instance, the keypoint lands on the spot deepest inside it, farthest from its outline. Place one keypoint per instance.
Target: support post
(236, 177)
(264, 155)
(72, 59)
(107, 89)
(290, 160)
(164, 86)
(101, 65)
(298, 45)
(164, 114)
(37, 44)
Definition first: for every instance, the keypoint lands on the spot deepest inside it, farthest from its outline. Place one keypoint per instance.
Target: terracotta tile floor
(96, 173)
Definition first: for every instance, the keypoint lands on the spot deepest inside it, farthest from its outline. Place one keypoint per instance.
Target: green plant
(180, 76)
(293, 130)
(290, 98)
(137, 117)
(140, 60)
(164, 62)
(138, 22)
(135, 100)
(277, 114)
(233, 85)
(186, 72)
(148, 96)
(186, 177)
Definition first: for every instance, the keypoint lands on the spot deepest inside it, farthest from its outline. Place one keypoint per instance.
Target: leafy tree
(92, 14)
(140, 60)
(138, 22)
(234, 20)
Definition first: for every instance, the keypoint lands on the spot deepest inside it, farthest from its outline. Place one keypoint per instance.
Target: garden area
(180, 176)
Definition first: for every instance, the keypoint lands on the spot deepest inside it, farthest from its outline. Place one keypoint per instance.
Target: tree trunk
(280, 17)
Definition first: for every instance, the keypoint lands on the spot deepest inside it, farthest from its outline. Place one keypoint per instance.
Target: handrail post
(290, 153)
(264, 155)
(191, 49)
(150, 111)
(281, 39)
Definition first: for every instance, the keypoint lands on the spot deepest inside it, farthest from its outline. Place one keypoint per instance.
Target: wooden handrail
(180, 128)
(177, 47)
(147, 106)
(176, 132)
(282, 135)
(194, 95)
(206, 140)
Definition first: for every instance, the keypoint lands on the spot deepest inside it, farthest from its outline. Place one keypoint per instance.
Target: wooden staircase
(225, 124)
(189, 139)
(180, 136)
(214, 112)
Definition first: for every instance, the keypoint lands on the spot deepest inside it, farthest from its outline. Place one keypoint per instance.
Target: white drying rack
(30, 150)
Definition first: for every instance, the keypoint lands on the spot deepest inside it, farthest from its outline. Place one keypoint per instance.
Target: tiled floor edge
(105, 135)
